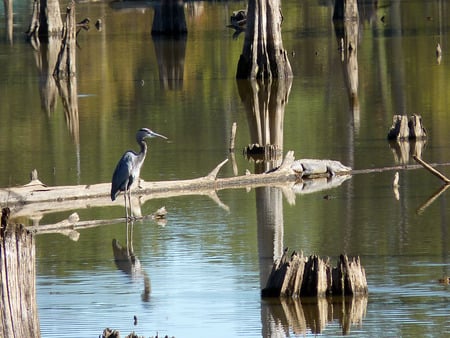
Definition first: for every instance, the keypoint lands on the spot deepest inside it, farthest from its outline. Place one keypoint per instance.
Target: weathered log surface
(299, 276)
(18, 306)
(71, 197)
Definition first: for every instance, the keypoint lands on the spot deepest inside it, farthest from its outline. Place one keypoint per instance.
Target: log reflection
(129, 263)
(312, 315)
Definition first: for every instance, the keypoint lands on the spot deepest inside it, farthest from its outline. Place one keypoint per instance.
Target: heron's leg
(129, 203)
(126, 209)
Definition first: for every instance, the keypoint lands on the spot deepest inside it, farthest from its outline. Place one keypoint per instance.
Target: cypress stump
(18, 307)
(300, 276)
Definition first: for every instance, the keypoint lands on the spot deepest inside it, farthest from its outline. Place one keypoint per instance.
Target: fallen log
(35, 199)
(299, 276)
(81, 196)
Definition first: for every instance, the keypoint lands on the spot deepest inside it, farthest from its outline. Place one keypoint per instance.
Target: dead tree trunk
(18, 307)
(344, 9)
(263, 55)
(66, 65)
(45, 21)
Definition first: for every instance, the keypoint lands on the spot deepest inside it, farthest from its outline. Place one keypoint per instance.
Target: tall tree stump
(263, 55)
(18, 307)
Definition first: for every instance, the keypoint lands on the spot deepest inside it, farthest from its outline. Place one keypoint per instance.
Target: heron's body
(127, 171)
(129, 167)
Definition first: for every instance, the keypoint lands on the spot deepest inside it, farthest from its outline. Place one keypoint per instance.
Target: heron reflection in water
(129, 263)
(129, 167)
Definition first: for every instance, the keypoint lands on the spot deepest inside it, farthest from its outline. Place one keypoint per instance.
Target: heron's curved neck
(143, 146)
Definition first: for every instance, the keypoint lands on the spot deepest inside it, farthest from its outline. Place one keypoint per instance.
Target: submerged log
(304, 277)
(18, 306)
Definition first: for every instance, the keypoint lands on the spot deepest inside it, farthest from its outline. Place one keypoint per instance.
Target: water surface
(207, 264)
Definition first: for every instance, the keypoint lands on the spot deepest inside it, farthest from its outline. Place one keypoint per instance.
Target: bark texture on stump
(405, 129)
(66, 65)
(46, 19)
(299, 276)
(18, 306)
(263, 55)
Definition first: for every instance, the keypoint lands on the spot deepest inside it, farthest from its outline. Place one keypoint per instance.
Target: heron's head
(144, 133)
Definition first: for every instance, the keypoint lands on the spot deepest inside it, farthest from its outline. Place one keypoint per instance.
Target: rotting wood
(298, 276)
(18, 306)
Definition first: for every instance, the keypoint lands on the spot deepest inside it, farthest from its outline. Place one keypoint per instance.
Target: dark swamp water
(207, 264)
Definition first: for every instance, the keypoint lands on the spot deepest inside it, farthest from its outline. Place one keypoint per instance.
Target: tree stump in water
(348, 278)
(305, 277)
(18, 307)
(406, 129)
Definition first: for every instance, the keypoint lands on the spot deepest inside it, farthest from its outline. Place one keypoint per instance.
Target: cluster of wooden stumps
(18, 306)
(300, 276)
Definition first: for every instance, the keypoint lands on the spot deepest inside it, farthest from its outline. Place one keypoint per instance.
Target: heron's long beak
(153, 134)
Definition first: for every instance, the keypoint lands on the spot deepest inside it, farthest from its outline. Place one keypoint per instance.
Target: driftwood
(81, 196)
(18, 307)
(299, 276)
(35, 199)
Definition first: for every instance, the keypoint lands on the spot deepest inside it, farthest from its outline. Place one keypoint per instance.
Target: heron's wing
(122, 174)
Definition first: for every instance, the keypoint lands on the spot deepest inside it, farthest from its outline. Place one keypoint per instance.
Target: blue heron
(129, 167)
